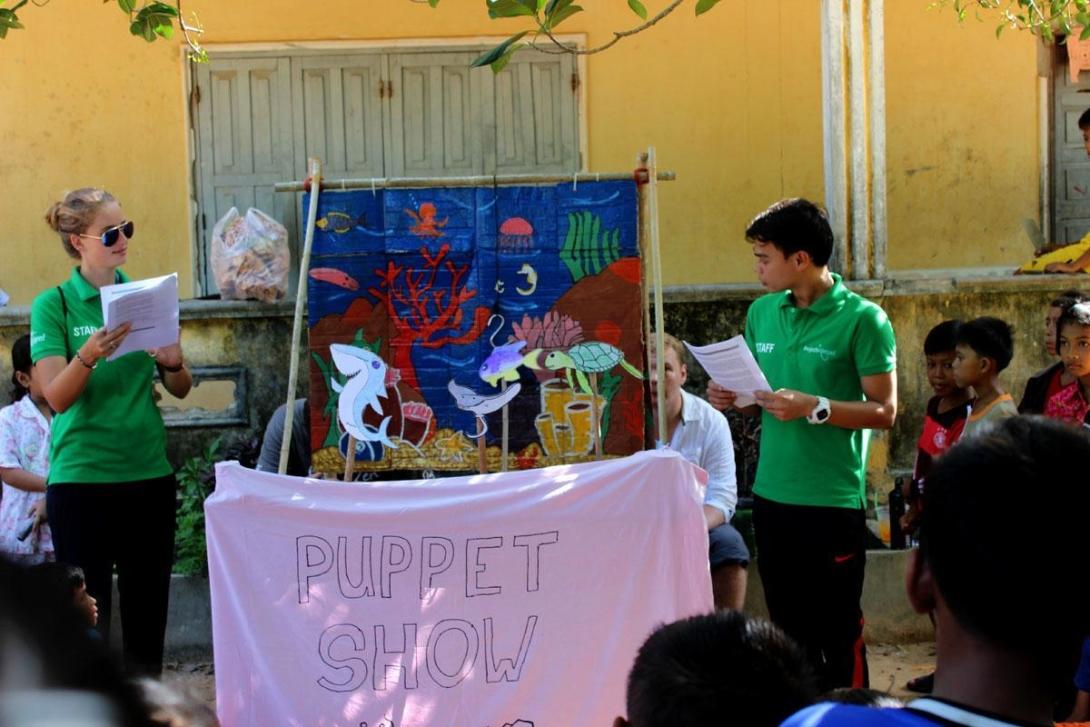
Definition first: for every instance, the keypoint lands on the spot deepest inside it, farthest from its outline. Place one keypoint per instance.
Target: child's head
(940, 350)
(22, 367)
(985, 346)
(722, 667)
(1084, 125)
(1056, 307)
(68, 579)
(786, 237)
(976, 495)
(1073, 339)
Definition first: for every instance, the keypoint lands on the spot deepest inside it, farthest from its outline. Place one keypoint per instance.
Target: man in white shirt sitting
(701, 435)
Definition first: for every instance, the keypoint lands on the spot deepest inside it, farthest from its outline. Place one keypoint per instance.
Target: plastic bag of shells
(250, 258)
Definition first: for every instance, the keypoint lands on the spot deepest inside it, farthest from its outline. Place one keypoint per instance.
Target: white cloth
(519, 596)
(703, 438)
(24, 444)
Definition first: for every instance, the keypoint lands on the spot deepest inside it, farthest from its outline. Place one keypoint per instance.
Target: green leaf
(563, 15)
(127, 6)
(1085, 33)
(638, 8)
(490, 57)
(703, 6)
(433, 3)
(500, 63)
(9, 20)
(507, 9)
(158, 8)
(999, 29)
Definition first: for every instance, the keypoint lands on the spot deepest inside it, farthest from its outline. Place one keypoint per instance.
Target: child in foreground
(998, 656)
(24, 464)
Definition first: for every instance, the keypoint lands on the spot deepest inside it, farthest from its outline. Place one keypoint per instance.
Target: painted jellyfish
(516, 235)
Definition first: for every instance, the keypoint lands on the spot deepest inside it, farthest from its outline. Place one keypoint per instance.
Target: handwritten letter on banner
(517, 599)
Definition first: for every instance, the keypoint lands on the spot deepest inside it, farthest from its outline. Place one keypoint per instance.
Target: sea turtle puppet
(591, 357)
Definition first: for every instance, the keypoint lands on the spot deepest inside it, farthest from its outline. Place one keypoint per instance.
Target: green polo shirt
(114, 431)
(822, 350)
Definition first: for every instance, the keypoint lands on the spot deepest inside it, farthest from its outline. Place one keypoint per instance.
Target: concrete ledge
(888, 617)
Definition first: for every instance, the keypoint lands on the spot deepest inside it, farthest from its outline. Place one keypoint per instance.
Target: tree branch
(618, 35)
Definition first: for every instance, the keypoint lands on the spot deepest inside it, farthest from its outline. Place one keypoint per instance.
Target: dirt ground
(890, 667)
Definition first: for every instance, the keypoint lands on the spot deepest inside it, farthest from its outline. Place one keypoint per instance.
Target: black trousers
(131, 525)
(812, 561)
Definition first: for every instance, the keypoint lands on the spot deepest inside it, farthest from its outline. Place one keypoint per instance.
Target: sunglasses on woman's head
(111, 235)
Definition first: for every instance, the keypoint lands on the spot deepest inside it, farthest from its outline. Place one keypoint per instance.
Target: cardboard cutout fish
(468, 400)
(504, 361)
(366, 374)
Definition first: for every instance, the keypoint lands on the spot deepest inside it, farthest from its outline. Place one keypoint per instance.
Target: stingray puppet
(468, 400)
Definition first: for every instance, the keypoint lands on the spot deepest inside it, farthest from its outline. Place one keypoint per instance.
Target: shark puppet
(366, 374)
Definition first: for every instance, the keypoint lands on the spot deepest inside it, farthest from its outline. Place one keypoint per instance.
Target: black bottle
(896, 512)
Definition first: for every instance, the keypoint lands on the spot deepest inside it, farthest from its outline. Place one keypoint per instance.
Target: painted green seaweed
(587, 248)
(608, 385)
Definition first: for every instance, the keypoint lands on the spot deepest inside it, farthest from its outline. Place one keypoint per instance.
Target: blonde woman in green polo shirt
(829, 356)
(111, 492)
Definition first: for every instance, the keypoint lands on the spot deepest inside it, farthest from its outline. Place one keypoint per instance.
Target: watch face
(822, 415)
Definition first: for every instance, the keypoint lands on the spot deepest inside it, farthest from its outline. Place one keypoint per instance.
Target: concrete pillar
(854, 123)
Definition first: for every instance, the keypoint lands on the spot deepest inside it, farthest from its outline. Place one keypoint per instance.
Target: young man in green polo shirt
(830, 358)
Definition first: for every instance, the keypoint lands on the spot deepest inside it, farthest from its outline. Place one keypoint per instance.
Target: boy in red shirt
(946, 413)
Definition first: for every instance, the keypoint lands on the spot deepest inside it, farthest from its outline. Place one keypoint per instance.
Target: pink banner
(514, 599)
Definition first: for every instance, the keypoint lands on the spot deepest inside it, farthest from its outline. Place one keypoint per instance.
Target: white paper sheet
(731, 365)
(150, 305)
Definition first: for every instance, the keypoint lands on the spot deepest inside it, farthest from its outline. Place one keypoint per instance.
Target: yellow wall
(961, 111)
(732, 102)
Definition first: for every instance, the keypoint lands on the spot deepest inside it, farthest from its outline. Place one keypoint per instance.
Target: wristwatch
(820, 413)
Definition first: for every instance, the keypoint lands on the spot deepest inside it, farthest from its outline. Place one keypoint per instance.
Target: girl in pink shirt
(1072, 402)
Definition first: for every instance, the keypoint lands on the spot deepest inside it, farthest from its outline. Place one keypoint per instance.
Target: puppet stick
(656, 259)
(594, 424)
(350, 459)
(315, 168)
(482, 452)
(504, 438)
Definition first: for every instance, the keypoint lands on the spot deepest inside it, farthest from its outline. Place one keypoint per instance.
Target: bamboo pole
(656, 257)
(643, 237)
(314, 168)
(474, 181)
(350, 459)
(505, 433)
(595, 425)
(482, 450)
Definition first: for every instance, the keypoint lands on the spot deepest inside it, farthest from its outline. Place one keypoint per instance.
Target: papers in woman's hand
(731, 365)
(151, 306)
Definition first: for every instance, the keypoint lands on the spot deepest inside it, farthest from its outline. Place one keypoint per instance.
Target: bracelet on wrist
(89, 366)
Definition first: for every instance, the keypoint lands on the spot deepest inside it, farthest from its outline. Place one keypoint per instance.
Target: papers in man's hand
(151, 306)
(731, 365)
